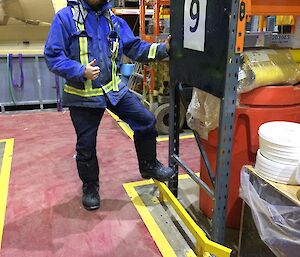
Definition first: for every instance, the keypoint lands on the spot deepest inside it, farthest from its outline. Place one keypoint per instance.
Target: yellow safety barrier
(204, 246)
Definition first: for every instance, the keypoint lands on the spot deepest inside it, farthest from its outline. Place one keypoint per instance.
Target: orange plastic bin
(261, 105)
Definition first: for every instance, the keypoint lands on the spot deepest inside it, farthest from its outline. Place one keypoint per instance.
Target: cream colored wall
(27, 27)
(59, 4)
(35, 10)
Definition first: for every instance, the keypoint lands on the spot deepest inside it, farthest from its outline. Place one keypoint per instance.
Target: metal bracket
(244, 5)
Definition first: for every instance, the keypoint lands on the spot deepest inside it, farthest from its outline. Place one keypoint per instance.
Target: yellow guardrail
(204, 246)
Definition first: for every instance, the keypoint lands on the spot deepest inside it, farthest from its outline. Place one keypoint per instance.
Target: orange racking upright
(160, 9)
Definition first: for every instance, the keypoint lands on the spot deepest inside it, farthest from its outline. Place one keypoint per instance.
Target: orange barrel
(258, 106)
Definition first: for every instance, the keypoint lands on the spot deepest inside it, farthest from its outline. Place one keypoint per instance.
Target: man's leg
(86, 122)
(142, 122)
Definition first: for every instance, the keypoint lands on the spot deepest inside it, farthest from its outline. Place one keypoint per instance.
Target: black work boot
(89, 174)
(149, 166)
(90, 197)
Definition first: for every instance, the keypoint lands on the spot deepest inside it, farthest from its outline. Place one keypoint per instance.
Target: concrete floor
(44, 216)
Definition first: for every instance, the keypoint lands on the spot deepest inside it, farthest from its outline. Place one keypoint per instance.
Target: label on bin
(241, 75)
(257, 56)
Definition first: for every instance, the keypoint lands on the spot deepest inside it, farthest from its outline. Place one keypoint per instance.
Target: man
(85, 45)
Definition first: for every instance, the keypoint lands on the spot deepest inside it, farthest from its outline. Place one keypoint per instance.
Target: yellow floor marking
(206, 246)
(129, 131)
(4, 180)
(122, 124)
(190, 253)
(157, 235)
(183, 136)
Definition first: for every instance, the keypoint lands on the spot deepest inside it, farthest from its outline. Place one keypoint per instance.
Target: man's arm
(139, 50)
(55, 52)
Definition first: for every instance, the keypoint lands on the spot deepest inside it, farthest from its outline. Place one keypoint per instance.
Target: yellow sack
(285, 20)
(268, 67)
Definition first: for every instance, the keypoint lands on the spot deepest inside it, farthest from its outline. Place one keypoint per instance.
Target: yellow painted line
(205, 246)
(151, 182)
(4, 180)
(122, 124)
(157, 235)
(186, 176)
(140, 183)
(166, 138)
(190, 253)
(129, 131)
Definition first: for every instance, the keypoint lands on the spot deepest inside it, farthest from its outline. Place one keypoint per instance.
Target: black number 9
(195, 16)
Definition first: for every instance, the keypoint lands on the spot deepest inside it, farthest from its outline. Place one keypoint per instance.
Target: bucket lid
(281, 132)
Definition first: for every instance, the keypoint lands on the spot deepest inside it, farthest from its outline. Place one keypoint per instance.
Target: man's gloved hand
(91, 72)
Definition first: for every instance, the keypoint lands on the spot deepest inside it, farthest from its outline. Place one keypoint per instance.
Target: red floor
(44, 216)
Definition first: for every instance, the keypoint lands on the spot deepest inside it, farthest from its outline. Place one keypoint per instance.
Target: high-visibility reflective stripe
(92, 92)
(152, 51)
(108, 87)
(114, 71)
(88, 90)
(82, 93)
(84, 54)
(114, 67)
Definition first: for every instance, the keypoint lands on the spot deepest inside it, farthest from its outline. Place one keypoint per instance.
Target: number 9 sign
(194, 24)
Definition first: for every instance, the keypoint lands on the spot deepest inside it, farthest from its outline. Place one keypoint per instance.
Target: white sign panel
(194, 24)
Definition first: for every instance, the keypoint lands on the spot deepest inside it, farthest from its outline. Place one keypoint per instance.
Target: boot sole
(91, 208)
(146, 177)
(161, 180)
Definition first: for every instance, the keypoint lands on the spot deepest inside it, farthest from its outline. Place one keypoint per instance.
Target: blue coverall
(65, 51)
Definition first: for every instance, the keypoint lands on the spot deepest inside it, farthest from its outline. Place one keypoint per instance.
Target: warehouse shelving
(239, 12)
(159, 8)
(262, 8)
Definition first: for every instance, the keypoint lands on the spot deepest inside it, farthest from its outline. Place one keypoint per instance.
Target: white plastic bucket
(277, 172)
(280, 141)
